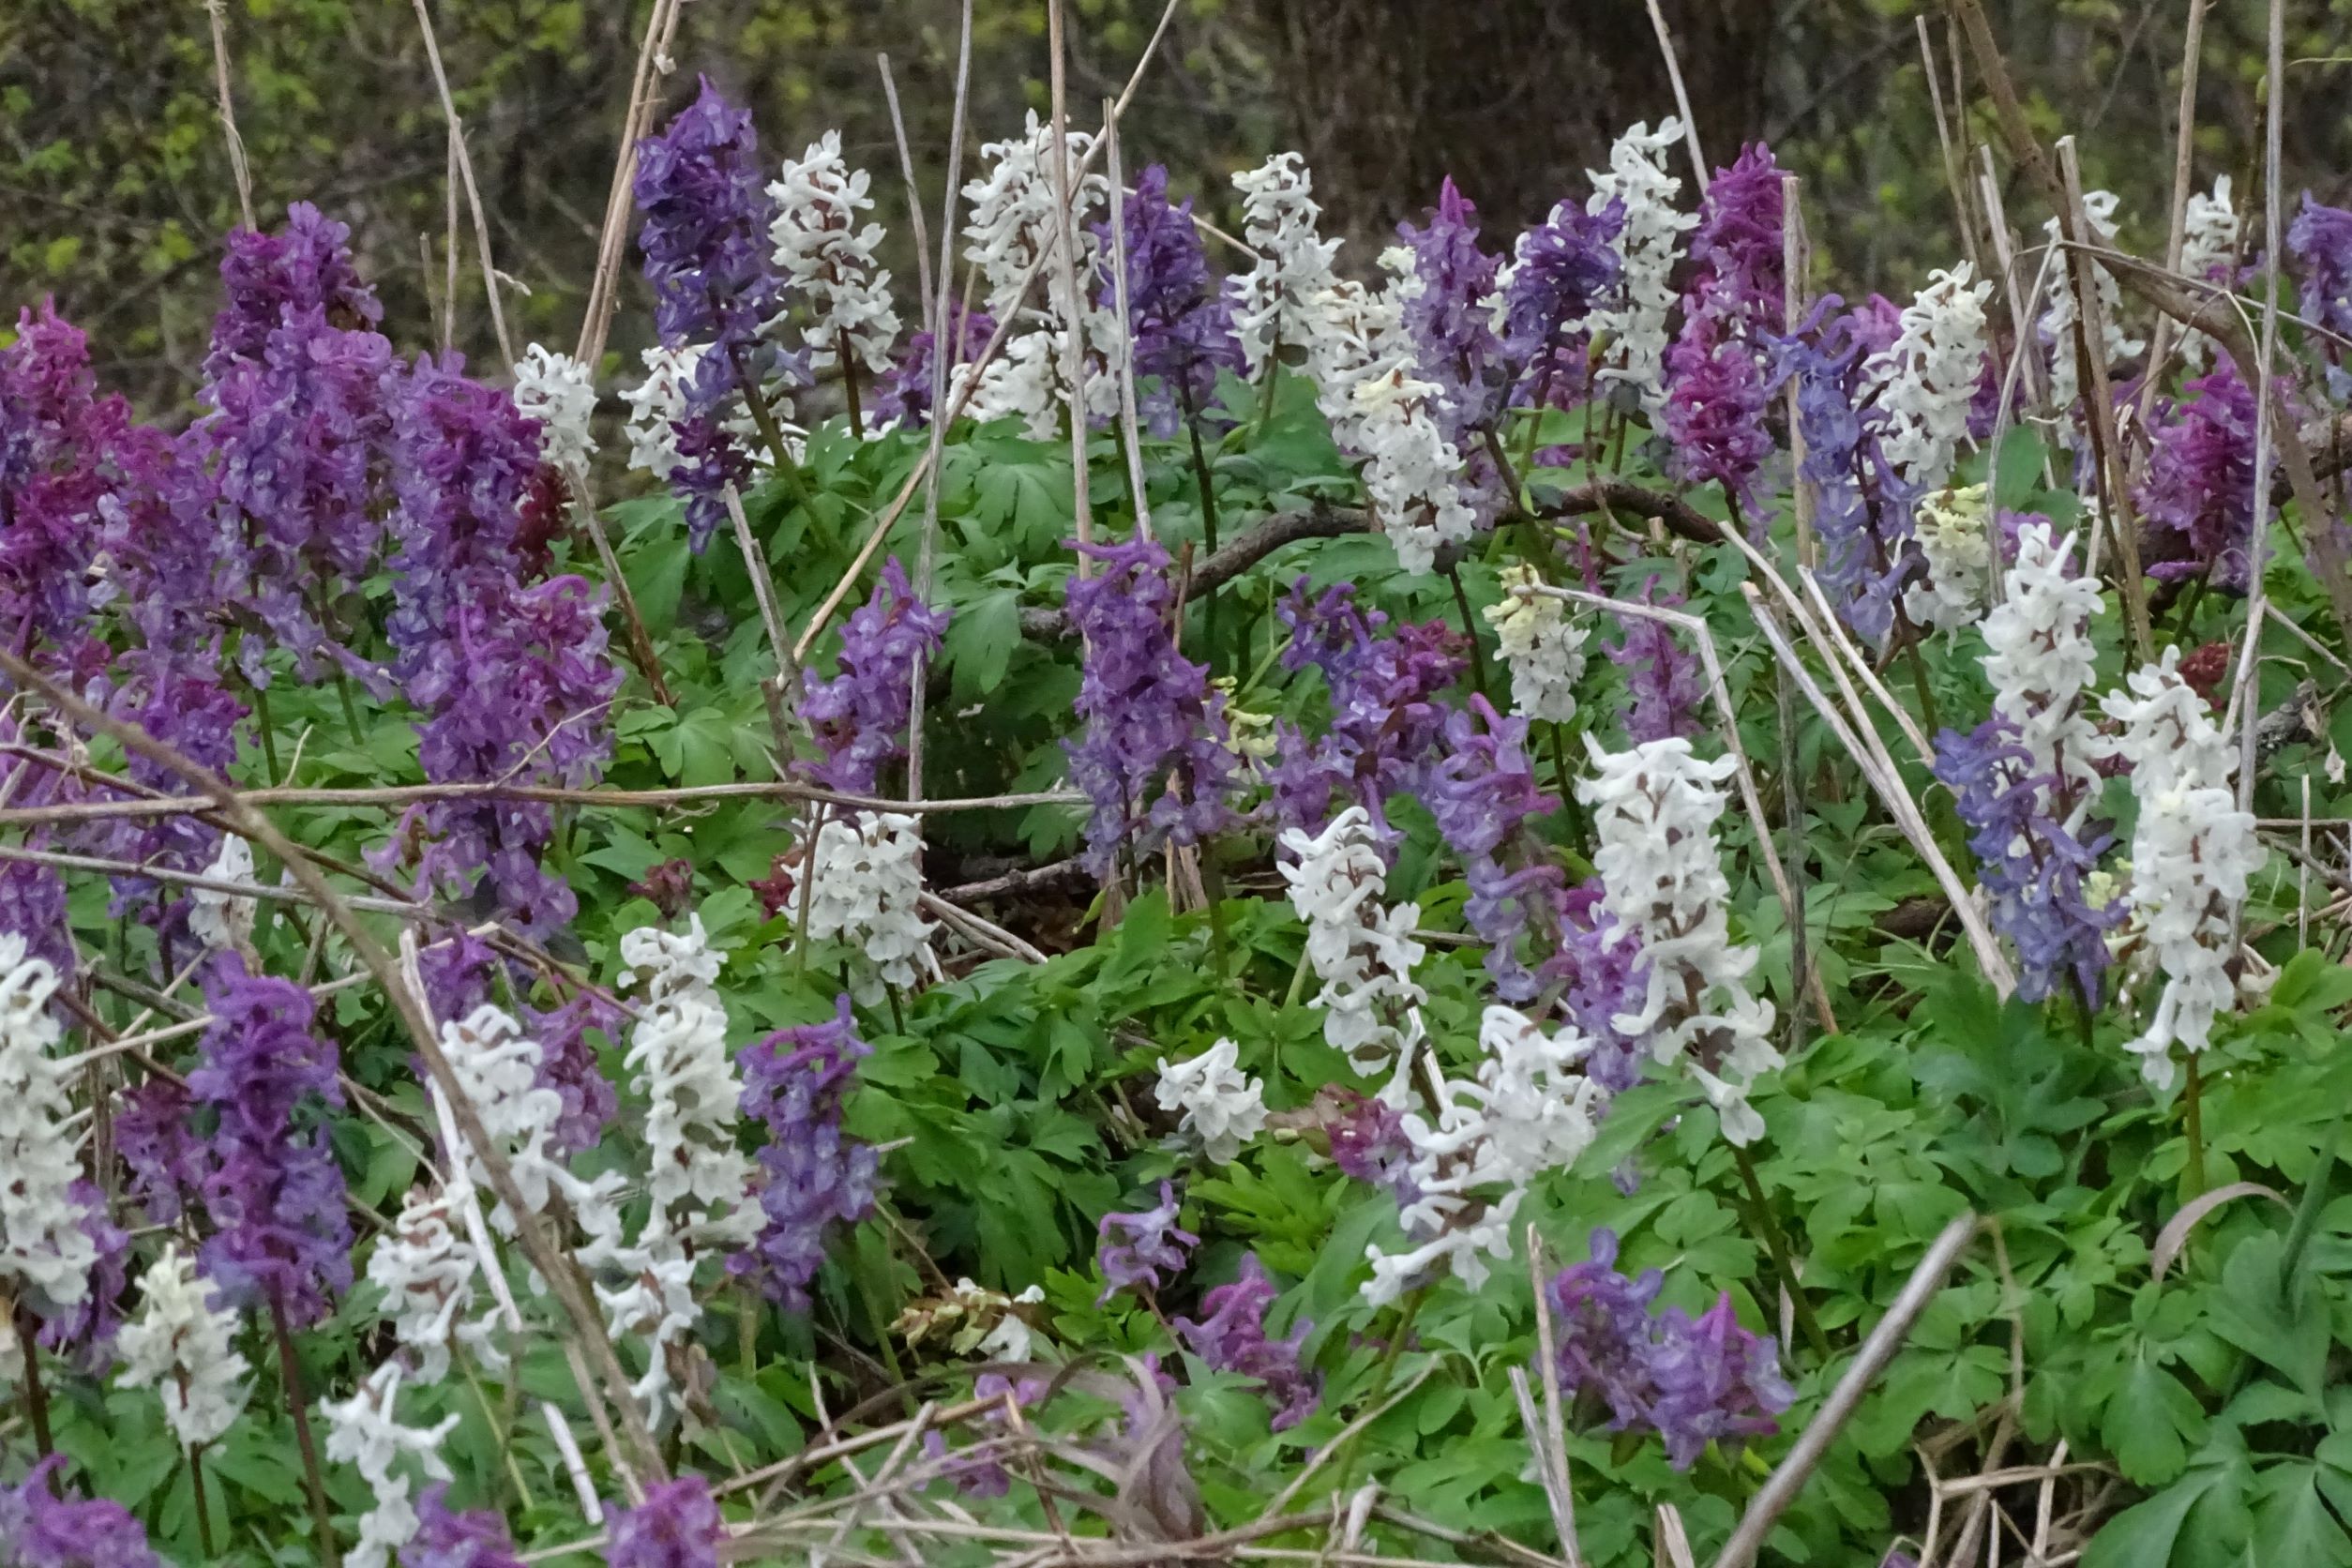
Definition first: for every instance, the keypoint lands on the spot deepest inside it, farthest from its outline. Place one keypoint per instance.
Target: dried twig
(473, 191)
(1681, 94)
(1773, 1498)
(216, 11)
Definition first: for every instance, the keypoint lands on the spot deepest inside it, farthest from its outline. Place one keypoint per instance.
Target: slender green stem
(204, 1509)
(1760, 1218)
(350, 712)
(1207, 517)
(848, 387)
(1469, 630)
(764, 418)
(2193, 1109)
(1909, 637)
(268, 727)
(1381, 1378)
(298, 1406)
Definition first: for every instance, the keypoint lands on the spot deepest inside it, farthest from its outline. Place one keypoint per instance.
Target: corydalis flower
(560, 393)
(1557, 271)
(2057, 324)
(1482, 794)
(1649, 233)
(2193, 852)
(40, 1529)
(2320, 240)
(274, 1194)
(868, 892)
(1281, 299)
(859, 716)
(1690, 1381)
(47, 1252)
(1179, 323)
(1222, 1108)
(1150, 1249)
(1362, 951)
(823, 253)
(1413, 473)
(1654, 813)
(1661, 679)
(816, 1177)
(1542, 648)
(1530, 1110)
(1152, 758)
(1448, 313)
(2198, 493)
(1928, 379)
(1230, 1336)
(705, 239)
(364, 1431)
(1714, 408)
(1738, 259)
(474, 1538)
(1952, 529)
(902, 393)
(678, 1526)
(1386, 718)
(304, 267)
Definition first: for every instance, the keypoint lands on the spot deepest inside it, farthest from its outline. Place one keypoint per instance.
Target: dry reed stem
(215, 11)
(653, 61)
(473, 191)
(1681, 94)
(1123, 340)
(1772, 1498)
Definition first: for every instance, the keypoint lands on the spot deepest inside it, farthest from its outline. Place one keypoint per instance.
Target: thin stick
(473, 192)
(1123, 340)
(1952, 169)
(1777, 1493)
(914, 197)
(2243, 685)
(946, 338)
(555, 1266)
(1682, 95)
(1072, 311)
(1563, 1502)
(1793, 259)
(653, 60)
(2183, 178)
(755, 561)
(641, 641)
(216, 11)
(298, 1405)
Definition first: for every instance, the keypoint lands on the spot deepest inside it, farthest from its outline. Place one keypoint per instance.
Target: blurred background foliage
(114, 183)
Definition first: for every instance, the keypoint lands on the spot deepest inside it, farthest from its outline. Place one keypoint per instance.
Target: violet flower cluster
(1179, 319)
(1599, 966)
(677, 1526)
(860, 715)
(2030, 866)
(902, 393)
(1861, 507)
(1716, 374)
(1449, 315)
(473, 1538)
(40, 1529)
(1369, 1143)
(1482, 794)
(1386, 714)
(1559, 270)
(459, 973)
(1152, 758)
(1690, 1381)
(705, 240)
(274, 1194)
(1230, 1336)
(1662, 680)
(513, 681)
(2320, 241)
(2197, 495)
(1145, 1249)
(816, 1176)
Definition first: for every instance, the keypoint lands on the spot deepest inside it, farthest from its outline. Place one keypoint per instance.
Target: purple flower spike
(1231, 1337)
(1386, 718)
(84, 1333)
(1661, 679)
(678, 1526)
(303, 270)
(274, 1191)
(1151, 1243)
(40, 1529)
(1599, 963)
(1714, 413)
(1563, 265)
(1181, 322)
(795, 1083)
(1482, 794)
(902, 394)
(1448, 317)
(2320, 240)
(1738, 272)
(475, 1538)
(860, 715)
(1716, 1382)
(2030, 866)
(708, 257)
(1152, 758)
(1369, 1143)
(2198, 493)
(152, 1135)
(1692, 1381)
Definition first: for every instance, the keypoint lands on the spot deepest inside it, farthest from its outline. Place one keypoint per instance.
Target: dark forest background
(115, 187)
